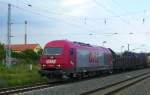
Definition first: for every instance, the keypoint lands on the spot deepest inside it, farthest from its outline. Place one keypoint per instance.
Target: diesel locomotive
(67, 59)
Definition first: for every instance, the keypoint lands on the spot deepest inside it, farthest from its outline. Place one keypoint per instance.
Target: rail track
(20, 89)
(113, 89)
(106, 90)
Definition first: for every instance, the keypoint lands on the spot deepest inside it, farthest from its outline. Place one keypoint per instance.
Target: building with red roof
(23, 47)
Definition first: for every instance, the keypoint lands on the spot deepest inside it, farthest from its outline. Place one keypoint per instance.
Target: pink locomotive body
(72, 59)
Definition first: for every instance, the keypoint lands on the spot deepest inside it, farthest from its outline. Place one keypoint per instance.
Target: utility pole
(128, 47)
(25, 35)
(104, 43)
(85, 20)
(122, 49)
(8, 46)
(1, 30)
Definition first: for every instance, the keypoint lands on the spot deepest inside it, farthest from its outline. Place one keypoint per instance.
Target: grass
(19, 75)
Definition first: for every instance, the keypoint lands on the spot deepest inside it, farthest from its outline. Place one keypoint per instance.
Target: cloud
(75, 20)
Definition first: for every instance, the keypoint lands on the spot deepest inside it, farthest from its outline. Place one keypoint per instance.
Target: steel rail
(116, 87)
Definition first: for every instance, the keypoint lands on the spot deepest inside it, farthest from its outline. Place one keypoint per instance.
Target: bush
(27, 55)
(30, 54)
(2, 52)
(20, 75)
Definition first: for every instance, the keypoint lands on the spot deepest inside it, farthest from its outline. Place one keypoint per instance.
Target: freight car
(129, 61)
(62, 58)
(66, 59)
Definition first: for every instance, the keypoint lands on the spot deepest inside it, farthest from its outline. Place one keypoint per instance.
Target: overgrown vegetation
(27, 54)
(2, 52)
(20, 74)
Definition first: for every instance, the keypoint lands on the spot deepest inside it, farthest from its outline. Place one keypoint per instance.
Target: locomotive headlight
(71, 63)
(58, 65)
(43, 65)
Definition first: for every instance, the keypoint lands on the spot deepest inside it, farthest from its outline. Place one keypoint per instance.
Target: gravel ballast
(85, 86)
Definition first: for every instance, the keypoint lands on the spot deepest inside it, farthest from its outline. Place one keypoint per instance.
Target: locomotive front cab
(57, 59)
(52, 58)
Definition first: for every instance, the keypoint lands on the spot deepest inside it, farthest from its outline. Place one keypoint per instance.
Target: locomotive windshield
(53, 51)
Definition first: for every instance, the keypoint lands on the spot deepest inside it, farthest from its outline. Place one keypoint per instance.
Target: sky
(116, 22)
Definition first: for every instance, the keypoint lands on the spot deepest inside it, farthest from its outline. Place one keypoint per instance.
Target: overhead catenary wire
(85, 19)
(145, 27)
(110, 11)
(33, 12)
(113, 13)
(49, 12)
(67, 22)
(62, 14)
(104, 20)
(118, 5)
(77, 17)
(51, 18)
(88, 18)
(122, 8)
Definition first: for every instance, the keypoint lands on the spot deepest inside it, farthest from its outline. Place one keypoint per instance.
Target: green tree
(39, 53)
(2, 52)
(30, 54)
(27, 54)
(17, 55)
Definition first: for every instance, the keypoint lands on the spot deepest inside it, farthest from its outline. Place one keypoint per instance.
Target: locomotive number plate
(51, 61)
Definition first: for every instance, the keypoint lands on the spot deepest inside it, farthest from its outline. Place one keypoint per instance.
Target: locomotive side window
(71, 51)
(53, 51)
